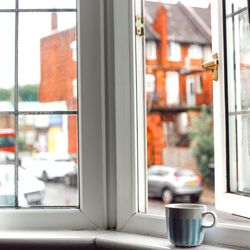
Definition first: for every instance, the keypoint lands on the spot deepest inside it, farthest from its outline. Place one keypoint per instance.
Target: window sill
(89, 240)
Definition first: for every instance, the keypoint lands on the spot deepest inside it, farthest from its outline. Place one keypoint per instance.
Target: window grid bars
(234, 13)
(16, 103)
(37, 10)
(16, 112)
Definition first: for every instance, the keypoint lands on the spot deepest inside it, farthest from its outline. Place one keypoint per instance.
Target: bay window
(111, 119)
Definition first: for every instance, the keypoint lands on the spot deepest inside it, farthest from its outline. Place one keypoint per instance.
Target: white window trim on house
(151, 50)
(130, 216)
(174, 51)
(195, 52)
(92, 210)
(172, 88)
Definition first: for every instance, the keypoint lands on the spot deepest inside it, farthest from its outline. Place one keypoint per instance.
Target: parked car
(49, 166)
(167, 183)
(29, 187)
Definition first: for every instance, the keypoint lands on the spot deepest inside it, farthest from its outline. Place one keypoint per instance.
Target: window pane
(242, 50)
(7, 159)
(7, 4)
(176, 119)
(46, 4)
(47, 45)
(49, 159)
(7, 61)
(243, 140)
(236, 5)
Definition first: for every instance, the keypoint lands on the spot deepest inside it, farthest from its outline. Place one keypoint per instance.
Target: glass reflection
(7, 158)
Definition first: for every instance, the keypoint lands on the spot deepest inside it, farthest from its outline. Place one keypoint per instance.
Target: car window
(184, 172)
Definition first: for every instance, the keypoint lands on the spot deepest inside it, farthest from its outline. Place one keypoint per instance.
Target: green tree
(28, 93)
(202, 143)
(5, 94)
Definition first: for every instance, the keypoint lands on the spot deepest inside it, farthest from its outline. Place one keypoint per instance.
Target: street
(58, 194)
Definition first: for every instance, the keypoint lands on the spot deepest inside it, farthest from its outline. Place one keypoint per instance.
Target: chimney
(54, 21)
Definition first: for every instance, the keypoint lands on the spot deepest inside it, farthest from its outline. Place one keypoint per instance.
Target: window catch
(139, 26)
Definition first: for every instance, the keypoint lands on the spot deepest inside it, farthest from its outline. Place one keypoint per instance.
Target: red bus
(7, 140)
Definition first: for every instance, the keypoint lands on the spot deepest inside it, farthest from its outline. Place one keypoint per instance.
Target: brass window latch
(139, 26)
(213, 66)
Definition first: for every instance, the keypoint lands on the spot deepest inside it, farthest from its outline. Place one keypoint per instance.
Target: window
(172, 88)
(190, 90)
(46, 128)
(132, 216)
(42, 41)
(207, 52)
(174, 51)
(150, 83)
(151, 50)
(235, 188)
(195, 52)
(199, 86)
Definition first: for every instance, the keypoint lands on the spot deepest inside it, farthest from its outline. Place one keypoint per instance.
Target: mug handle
(214, 219)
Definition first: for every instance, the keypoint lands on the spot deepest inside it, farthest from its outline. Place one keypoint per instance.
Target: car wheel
(167, 196)
(45, 176)
(195, 198)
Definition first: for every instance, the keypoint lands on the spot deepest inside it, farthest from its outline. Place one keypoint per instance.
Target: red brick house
(58, 73)
(178, 40)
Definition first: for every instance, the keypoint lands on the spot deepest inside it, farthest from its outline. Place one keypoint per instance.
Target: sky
(32, 27)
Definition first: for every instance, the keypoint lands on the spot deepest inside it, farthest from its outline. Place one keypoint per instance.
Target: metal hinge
(139, 26)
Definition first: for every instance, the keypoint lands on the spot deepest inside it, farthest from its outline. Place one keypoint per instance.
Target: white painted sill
(97, 239)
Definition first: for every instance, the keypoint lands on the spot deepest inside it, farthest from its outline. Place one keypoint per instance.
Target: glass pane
(236, 5)
(47, 44)
(242, 51)
(233, 153)
(7, 61)
(49, 159)
(178, 171)
(7, 159)
(47, 4)
(243, 123)
(230, 67)
(7, 4)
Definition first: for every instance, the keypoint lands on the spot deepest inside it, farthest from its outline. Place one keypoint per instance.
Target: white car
(30, 189)
(49, 166)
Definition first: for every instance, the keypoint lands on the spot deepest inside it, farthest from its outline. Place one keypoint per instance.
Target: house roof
(151, 34)
(185, 24)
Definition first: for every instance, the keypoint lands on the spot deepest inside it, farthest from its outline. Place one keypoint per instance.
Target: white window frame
(127, 144)
(174, 51)
(225, 201)
(92, 210)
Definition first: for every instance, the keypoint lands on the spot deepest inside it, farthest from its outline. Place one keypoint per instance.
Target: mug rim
(188, 206)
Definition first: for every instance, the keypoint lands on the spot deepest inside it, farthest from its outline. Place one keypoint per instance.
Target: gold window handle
(213, 66)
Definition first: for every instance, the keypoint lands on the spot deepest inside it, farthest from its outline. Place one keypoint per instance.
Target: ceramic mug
(186, 223)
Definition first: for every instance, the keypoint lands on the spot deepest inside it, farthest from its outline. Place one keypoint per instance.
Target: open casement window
(231, 101)
(130, 123)
(50, 31)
